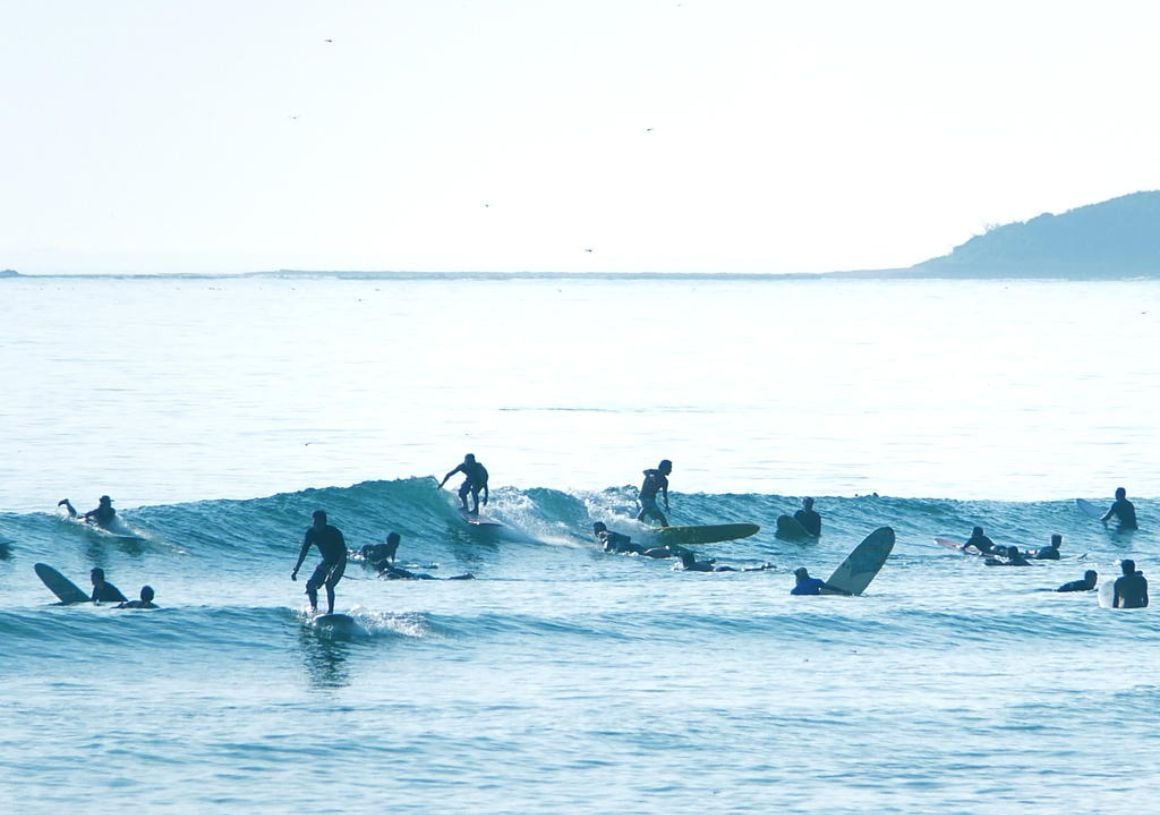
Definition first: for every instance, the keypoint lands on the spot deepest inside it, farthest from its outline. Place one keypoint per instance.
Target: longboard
(475, 520)
(790, 529)
(65, 590)
(337, 625)
(686, 535)
(857, 570)
(954, 544)
(1089, 509)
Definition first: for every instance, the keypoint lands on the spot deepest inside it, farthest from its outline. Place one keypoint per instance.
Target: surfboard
(475, 520)
(954, 544)
(861, 566)
(1107, 593)
(337, 625)
(65, 590)
(715, 533)
(1089, 509)
(789, 528)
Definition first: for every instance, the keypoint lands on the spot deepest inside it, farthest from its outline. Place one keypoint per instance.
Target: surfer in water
(1007, 556)
(474, 482)
(146, 600)
(1131, 590)
(806, 585)
(689, 563)
(1086, 584)
(655, 481)
(980, 541)
(1050, 552)
(810, 520)
(615, 542)
(381, 555)
(1123, 510)
(332, 546)
(103, 516)
(103, 590)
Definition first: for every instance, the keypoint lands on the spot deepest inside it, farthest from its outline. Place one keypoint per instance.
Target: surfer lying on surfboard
(689, 563)
(621, 544)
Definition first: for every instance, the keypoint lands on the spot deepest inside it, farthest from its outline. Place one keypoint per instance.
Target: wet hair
(147, 594)
(469, 458)
(599, 527)
(665, 464)
(1129, 566)
(807, 502)
(1090, 575)
(1056, 538)
(97, 572)
(106, 499)
(393, 537)
(319, 515)
(978, 530)
(800, 571)
(1121, 492)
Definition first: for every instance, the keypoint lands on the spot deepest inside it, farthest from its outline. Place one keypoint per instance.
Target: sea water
(220, 412)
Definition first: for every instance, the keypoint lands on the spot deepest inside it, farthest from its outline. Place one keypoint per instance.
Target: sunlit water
(220, 412)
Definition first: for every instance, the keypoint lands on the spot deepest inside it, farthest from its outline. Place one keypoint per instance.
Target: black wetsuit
(1131, 591)
(332, 545)
(618, 543)
(1049, 553)
(810, 521)
(1125, 513)
(106, 592)
(982, 543)
(1076, 585)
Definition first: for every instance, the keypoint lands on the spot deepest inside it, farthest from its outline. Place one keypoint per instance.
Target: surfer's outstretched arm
(67, 504)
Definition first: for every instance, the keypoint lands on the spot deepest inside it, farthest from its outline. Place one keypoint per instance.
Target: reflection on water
(325, 658)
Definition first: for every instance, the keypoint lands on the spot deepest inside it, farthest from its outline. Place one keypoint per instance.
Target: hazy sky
(629, 135)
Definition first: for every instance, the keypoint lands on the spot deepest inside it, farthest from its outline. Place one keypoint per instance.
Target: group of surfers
(1131, 589)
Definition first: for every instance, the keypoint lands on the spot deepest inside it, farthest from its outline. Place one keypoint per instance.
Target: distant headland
(1114, 239)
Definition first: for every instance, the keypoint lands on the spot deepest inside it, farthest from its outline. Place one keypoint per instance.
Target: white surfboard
(1089, 509)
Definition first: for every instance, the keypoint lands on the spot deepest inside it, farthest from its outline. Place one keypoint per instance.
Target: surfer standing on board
(475, 481)
(103, 516)
(655, 481)
(1124, 511)
(332, 546)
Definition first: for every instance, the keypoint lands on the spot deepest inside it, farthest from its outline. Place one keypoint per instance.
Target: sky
(152, 136)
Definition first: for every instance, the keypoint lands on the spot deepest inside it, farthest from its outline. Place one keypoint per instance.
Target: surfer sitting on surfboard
(103, 516)
(473, 484)
(332, 546)
(810, 520)
(806, 585)
(1131, 590)
(655, 481)
(1124, 511)
(103, 590)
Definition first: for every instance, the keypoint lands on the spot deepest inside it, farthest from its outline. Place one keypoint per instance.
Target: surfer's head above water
(665, 466)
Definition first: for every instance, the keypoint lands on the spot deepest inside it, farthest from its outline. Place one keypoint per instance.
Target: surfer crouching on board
(806, 585)
(655, 481)
(473, 484)
(103, 516)
(1123, 510)
(332, 546)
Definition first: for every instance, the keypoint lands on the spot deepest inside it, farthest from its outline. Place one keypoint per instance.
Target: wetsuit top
(1050, 553)
(476, 474)
(1132, 589)
(1125, 511)
(329, 541)
(136, 604)
(654, 481)
(108, 593)
(812, 585)
(809, 519)
(101, 516)
(615, 541)
(982, 543)
(1076, 585)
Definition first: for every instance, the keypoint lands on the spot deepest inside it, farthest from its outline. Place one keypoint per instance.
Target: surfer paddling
(474, 483)
(1087, 583)
(332, 546)
(146, 600)
(655, 481)
(1123, 511)
(103, 516)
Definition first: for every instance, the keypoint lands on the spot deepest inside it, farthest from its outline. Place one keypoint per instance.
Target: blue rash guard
(812, 585)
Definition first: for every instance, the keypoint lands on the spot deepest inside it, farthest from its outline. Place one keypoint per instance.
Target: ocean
(220, 412)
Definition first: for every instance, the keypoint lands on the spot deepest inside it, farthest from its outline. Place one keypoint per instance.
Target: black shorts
(326, 574)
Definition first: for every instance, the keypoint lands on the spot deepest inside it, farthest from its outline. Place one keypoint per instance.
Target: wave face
(559, 664)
